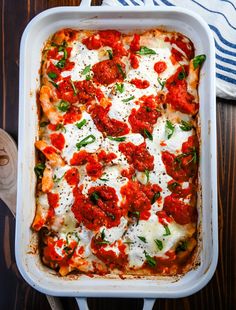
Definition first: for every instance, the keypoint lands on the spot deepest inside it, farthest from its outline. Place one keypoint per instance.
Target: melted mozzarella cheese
(151, 230)
(74, 135)
(115, 233)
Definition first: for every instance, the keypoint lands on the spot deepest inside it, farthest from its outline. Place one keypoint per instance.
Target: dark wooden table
(15, 293)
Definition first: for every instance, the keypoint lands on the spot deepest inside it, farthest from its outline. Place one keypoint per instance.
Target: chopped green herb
(110, 54)
(69, 251)
(172, 186)
(198, 61)
(54, 84)
(61, 63)
(52, 75)
(118, 139)
(86, 70)
(147, 173)
(120, 87)
(104, 180)
(63, 106)
(102, 242)
(185, 126)
(103, 234)
(193, 153)
(181, 75)
(61, 127)
(182, 246)
(155, 197)
(148, 109)
(88, 77)
(56, 179)
(167, 233)
(150, 260)
(146, 51)
(44, 124)
(159, 244)
(170, 128)
(69, 236)
(88, 140)
(148, 134)
(39, 169)
(74, 88)
(65, 53)
(142, 239)
(161, 83)
(135, 214)
(121, 71)
(94, 197)
(128, 242)
(81, 124)
(128, 99)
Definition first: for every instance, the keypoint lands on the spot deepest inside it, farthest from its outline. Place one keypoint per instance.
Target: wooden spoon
(8, 178)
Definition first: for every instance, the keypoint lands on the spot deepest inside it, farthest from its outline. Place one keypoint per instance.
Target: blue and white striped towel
(221, 17)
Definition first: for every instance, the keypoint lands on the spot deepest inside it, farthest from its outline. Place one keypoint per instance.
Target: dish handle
(148, 303)
(87, 3)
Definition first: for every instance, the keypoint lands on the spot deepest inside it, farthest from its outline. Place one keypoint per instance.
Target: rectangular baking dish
(123, 19)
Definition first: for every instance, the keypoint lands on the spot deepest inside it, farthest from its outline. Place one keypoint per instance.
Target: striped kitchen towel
(221, 18)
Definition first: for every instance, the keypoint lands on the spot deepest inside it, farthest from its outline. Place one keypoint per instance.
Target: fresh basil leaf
(74, 88)
(54, 84)
(148, 134)
(118, 139)
(128, 99)
(63, 106)
(120, 87)
(88, 140)
(162, 83)
(81, 124)
(143, 239)
(104, 180)
(170, 128)
(52, 75)
(94, 197)
(182, 246)
(103, 234)
(88, 77)
(167, 233)
(185, 126)
(147, 173)
(86, 70)
(172, 186)
(146, 51)
(159, 244)
(110, 54)
(121, 71)
(69, 236)
(61, 63)
(61, 127)
(198, 61)
(39, 169)
(150, 260)
(155, 197)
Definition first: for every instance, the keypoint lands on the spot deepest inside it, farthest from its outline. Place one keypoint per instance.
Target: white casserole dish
(124, 19)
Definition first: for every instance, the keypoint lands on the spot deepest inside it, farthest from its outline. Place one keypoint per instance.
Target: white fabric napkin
(221, 18)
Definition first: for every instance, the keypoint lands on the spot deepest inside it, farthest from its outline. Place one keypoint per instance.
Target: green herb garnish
(161, 83)
(88, 77)
(104, 180)
(86, 70)
(150, 260)
(61, 63)
(88, 140)
(135, 214)
(170, 128)
(70, 234)
(182, 246)
(110, 54)
(155, 197)
(147, 173)
(120, 87)
(56, 179)
(94, 197)
(61, 127)
(167, 233)
(143, 239)
(63, 106)
(52, 75)
(148, 134)
(159, 244)
(54, 84)
(185, 126)
(39, 169)
(74, 88)
(121, 71)
(172, 186)
(146, 51)
(118, 139)
(103, 234)
(81, 124)
(128, 99)
(43, 124)
(198, 61)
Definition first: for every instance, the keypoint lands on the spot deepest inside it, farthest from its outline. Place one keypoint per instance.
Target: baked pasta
(118, 153)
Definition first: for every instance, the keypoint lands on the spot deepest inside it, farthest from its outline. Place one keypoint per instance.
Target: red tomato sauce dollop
(57, 140)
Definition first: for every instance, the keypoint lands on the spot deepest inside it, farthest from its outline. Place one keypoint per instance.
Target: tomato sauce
(87, 93)
(163, 218)
(97, 209)
(160, 67)
(107, 125)
(73, 115)
(137, 155)
(57, 140)
(53, 200)
(186, 47)
(181, 212)
(106, 157)
(145, 117)
(139, 198)
(49, 150)
(141, 84)
(109, 71)
(178, 191)
(178, 96)
(72, 176)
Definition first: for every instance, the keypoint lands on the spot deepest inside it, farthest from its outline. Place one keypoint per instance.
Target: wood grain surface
(15, 293)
